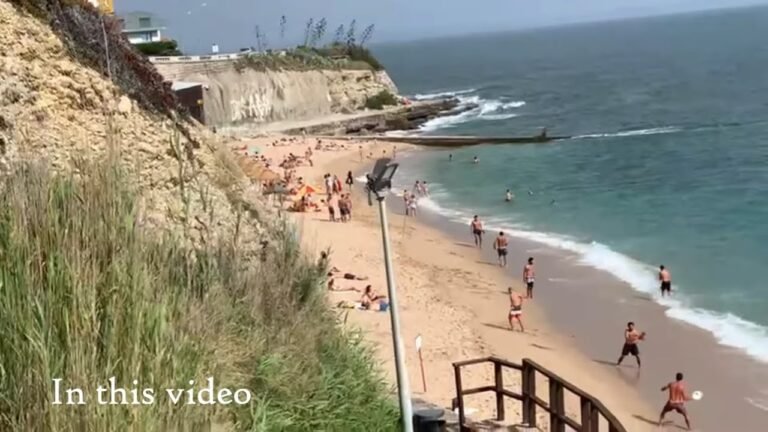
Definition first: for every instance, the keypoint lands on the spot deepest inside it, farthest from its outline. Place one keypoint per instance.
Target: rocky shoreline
(409, 117)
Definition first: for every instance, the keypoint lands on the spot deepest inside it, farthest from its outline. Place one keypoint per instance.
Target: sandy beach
(450, 293)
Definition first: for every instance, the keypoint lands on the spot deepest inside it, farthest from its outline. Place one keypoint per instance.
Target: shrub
(161, 48)
(86, 293)
(380, 100)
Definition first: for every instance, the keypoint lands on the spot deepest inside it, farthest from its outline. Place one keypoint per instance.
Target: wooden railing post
(529, 391)
(459, 396)
(586, 416)
(497, 371)
(556, 406)
(595, 420)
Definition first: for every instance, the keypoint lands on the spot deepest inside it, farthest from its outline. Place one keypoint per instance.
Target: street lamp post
(379, 183)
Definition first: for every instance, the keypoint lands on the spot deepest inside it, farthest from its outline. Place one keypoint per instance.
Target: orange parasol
(307, 189)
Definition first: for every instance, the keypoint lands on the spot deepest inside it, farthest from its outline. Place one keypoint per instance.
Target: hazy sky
(230, 23)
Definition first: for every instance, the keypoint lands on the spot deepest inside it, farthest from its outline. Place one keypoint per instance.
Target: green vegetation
(86, 293)
(161, 48)
(346, 50)
(380, 100)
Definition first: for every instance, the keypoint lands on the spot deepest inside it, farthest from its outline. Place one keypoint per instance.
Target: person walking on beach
(676, 400)
(413, 205)
(529, 277)
(631, 339)
(349, 181)
(666, 281)
(406, 202)
(515, 309)
(501, 248)
(476, 227)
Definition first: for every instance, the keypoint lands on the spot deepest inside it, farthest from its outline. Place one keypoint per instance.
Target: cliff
(239, 95)
(57, 106)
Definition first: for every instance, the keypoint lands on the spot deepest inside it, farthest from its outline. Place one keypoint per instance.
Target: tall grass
(86, 293)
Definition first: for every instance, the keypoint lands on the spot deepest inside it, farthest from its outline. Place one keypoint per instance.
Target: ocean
(667, 164)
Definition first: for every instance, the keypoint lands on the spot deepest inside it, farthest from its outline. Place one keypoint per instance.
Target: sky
(197, 24)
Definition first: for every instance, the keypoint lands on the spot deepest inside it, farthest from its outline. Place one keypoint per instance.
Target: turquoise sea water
(668, 164)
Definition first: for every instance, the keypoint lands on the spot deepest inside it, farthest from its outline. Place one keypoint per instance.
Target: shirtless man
(509, 196)
(515, 309)
(476, 226)
(666, 281)
(631, 338)
(501, 248)
(529, 276)
(677, 399)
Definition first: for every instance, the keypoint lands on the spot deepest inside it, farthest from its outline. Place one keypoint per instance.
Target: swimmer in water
(475, 160)
(450, 157)
(509, 196)
(530, 192)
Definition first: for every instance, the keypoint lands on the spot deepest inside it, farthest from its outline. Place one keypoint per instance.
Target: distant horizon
(565, 25)
(190, 32)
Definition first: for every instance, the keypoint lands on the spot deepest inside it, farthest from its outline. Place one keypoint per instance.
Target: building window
(144, 22)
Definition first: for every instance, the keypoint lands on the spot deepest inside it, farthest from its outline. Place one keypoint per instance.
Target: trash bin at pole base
(428, 420)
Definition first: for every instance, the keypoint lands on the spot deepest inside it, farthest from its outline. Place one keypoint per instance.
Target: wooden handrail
(591, 408)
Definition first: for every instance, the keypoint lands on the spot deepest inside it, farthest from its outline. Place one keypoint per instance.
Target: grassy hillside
(86, 294)
(127, 254)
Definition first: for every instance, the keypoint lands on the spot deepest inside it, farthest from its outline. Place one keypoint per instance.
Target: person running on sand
(501, 248)
(515, 309)
(349, 181)
(631, 339)
(509, 196)
(666, 281)
(676, 400)
(529, 277)
(476, 227)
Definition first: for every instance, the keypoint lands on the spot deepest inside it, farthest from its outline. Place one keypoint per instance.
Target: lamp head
(381, 177)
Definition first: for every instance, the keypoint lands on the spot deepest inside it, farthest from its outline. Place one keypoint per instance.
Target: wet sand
(592, 307)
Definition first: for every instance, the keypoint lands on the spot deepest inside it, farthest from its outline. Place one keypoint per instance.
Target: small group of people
(344, 202)
(369, 299)
(411, 203)
(421, 188)
(677, 395)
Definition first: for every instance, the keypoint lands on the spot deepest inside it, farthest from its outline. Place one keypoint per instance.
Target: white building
(141, 27)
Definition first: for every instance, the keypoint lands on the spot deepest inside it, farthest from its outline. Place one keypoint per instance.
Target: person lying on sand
(332, 285)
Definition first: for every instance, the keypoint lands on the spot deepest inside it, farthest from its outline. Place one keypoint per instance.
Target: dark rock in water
(406, 118)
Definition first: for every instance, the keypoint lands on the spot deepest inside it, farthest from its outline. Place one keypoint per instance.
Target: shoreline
(447, 287)
(457, 302)
(740, 387)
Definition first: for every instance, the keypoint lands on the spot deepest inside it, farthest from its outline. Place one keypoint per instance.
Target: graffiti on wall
(254, 105)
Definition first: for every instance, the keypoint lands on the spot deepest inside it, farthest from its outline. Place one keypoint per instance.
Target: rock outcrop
(233, 96)
(54, 108)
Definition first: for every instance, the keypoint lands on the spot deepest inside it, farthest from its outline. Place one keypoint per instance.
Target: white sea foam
(445, 94)
(484, 110)
(728, 329)
(637, 132)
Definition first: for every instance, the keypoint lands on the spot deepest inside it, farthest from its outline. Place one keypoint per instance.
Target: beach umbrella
(307, 189)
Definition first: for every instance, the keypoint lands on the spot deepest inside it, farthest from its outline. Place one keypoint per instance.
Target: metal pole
(404, 392)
